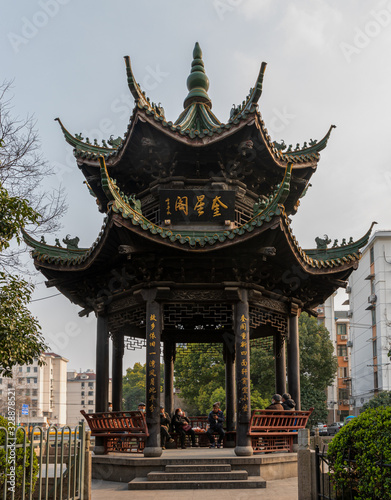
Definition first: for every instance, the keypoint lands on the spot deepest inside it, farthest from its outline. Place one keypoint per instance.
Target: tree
(20, 338)
(133, 388)
(23, 171)
(382, 399)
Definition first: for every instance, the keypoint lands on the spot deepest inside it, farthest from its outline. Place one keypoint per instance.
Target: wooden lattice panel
(259, 317)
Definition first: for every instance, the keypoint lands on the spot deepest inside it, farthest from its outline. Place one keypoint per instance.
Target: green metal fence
(43, 464)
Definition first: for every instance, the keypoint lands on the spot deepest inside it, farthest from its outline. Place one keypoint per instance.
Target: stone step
(199, 468)
(142, 483)
(235, 475)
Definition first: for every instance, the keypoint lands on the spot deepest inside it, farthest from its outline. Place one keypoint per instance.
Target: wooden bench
(274, 430)
(122, 431)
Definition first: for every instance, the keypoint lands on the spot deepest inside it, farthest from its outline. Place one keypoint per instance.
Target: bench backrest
(274, 420)
(116, 421)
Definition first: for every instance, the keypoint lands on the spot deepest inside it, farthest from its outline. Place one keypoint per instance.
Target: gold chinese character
(200, 205)
(244, 371)
(182, 205)
(153, 326)
(244, 362)
(152, 381)
(243, 318)
(245, 390)
(243, 353)
(152, 335)
(243, 335)
(168, 206)
(152, 317)
(245, 398)
(152, 344)
(152, 373)
(151, 408)
(152, 363)
(243, 326)
(152, 390)
(216, 204)
(243, 344)
(244, 380)
(245, 407)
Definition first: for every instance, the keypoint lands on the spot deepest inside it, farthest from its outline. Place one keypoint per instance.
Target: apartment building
(81, 394)
(339, 392)
(370, 321)
(40, 391)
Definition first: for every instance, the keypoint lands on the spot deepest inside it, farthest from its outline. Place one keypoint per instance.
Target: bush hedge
(15, 461)
(366, 441)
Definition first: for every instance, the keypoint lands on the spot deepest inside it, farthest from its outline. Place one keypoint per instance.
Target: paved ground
(285, 489)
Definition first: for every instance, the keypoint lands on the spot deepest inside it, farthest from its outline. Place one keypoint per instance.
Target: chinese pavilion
(196, 246)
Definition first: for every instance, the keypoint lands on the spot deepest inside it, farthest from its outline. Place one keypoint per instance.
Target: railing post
(304, 476)
(87, 467)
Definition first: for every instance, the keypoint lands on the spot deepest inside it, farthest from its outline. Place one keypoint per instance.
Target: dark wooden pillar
(153, 336)
(294, 360)
(102, 374)
(280, 363)
(169, 358)
(242, 353)
(230, 416)
(116, 370)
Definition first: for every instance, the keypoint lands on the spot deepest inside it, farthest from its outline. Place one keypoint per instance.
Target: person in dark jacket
(276, 403)
(287, 402)
(215, 420)
(165, 422)
(182, 426)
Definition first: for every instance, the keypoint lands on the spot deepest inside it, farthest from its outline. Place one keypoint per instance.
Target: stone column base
(243, 451)
(99, 450)
(153, 451)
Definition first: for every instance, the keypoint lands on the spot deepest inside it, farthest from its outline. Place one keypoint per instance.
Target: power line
(49, 297)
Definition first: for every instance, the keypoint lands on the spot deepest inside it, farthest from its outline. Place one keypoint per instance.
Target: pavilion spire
(197, 81)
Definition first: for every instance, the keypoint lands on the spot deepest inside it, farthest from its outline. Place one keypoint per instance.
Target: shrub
(5, 468)
(366, 440)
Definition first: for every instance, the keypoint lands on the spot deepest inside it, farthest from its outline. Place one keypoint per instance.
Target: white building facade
(40, 392)
(370, 321)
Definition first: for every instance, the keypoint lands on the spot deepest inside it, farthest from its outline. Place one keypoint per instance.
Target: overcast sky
(328, 63)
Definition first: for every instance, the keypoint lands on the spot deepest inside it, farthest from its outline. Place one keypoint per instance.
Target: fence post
(304, 476)
(87, 467)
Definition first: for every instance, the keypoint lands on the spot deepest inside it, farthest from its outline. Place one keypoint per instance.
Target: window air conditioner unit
(350, 313)
(348, 289)
(344, 337)
(372, 298)
(349, 343)
(346, 358)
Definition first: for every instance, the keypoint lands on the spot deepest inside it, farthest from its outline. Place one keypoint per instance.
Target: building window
(20, 380)
(35, 392)
(82, 384)
(341, 328)
(90, 393)
(33, 413)
(82, 402)
(90, 384)
(35, 369)
(27, 392)
(371, 256)
(90, 402)
(35, 381)
(28, 369)
(342, 350)
(1, 392)
(1, 380)
(90, 411)
(82, 393)
(20, 369)
(28, 380)
(375, 381)
(343, 394)
(35, 403)
(342, 372)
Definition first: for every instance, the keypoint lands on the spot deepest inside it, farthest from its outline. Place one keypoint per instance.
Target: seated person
(215, 420)
(141, 407)
(287, 402)
(182, 426)
(165, 422)
(276, 403)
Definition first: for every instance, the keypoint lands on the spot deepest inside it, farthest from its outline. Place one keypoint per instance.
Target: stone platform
(194, 468)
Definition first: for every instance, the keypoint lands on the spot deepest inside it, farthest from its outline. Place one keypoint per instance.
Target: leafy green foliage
(365, 439)
(382, 399)
(313, 398)
(318, 365)
(20, 338)
(5, 465)
(15, 213)
(133, 388)
(198, 375)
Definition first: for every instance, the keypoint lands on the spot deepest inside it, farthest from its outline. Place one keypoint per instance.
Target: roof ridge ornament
(197, 82)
